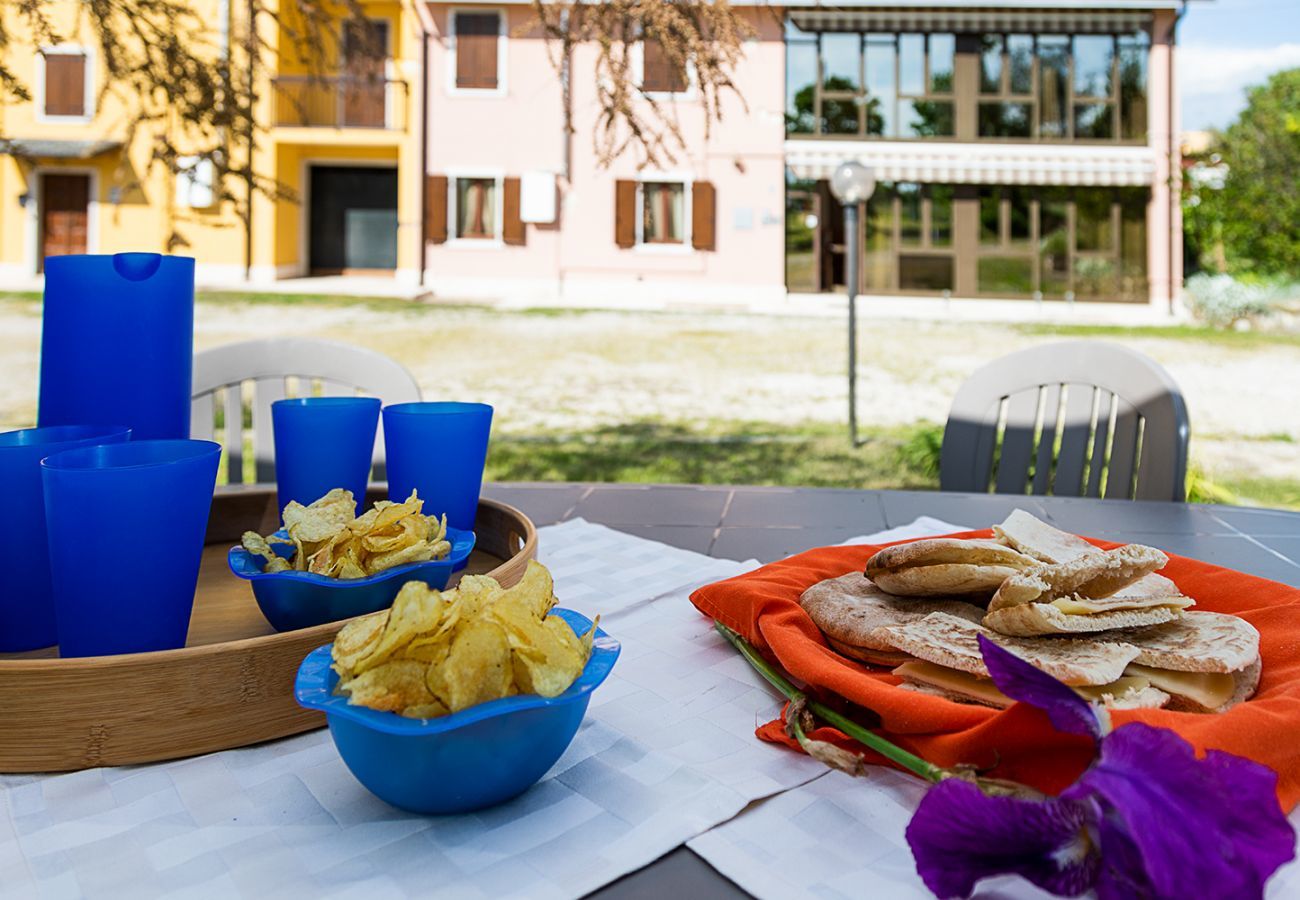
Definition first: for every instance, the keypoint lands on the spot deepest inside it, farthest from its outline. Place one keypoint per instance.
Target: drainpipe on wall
(250, 49)
(424, 148)
(1175, 168)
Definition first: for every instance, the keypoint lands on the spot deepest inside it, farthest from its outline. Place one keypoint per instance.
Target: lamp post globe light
(852, 183)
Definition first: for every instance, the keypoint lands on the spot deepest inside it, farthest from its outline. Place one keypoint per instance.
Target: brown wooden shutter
(476, 50)
(658, 73)
(65, 84)
(435, 209)
(703, 200)
(625, 213)
(512, 227)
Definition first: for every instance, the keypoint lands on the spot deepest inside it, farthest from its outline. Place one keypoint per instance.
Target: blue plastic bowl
(293, 600)
(469, 760)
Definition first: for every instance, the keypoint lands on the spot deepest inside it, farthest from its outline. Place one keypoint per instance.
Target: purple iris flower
(1147, 819)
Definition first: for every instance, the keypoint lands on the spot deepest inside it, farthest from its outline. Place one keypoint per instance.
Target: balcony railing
(343, 101)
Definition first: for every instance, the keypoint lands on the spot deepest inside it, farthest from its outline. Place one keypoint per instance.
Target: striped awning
(1067, 21)
(953, 163)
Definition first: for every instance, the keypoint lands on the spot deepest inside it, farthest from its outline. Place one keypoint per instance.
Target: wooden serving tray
(230, 686)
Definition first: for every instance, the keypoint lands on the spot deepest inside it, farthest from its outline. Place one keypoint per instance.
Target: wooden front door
(65, 203)
(364, 88)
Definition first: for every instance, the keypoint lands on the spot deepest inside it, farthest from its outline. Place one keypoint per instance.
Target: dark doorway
(353, 212)
(65, 204)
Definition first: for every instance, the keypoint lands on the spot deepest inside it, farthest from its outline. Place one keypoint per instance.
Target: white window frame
(89, 88)
(502, 40)
(498, 176)
(687, 182)
(638, 76)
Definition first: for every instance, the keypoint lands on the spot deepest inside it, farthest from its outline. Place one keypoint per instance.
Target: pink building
(1022, 150)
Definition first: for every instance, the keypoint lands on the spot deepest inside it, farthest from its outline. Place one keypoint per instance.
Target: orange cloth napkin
(1017, 743)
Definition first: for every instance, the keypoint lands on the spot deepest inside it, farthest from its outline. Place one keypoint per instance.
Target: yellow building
(343, 148)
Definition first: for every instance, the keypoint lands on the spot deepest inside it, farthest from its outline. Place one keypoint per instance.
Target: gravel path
(559, 371)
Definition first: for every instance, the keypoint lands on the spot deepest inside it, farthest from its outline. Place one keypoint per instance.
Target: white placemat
(838, 836)
(666, 752)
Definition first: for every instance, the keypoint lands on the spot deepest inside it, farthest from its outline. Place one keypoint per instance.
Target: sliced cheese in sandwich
(1208, 689)
(949, 663)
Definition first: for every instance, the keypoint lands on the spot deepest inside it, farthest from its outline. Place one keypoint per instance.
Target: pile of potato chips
(438, 652)
(329, 539)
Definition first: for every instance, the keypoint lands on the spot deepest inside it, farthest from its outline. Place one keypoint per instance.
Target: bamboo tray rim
(326, 631)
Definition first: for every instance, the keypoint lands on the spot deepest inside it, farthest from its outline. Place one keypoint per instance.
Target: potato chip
(478, 666)
(415, 610)
(532, 597)
(257, 545)
(474, 643)
(426, 711)
(329, 541)
(322, 519)
(393, 686)
(355, 638)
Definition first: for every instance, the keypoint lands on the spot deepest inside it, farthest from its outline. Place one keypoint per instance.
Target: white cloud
(1212, 80)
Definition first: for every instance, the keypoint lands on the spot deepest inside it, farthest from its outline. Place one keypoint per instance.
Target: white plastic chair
(1075, 419)
(280, 368)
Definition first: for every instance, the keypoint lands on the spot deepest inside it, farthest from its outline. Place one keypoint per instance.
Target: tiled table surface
(770, 523)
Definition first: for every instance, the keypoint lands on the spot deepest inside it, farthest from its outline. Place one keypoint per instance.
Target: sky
(1228, 45)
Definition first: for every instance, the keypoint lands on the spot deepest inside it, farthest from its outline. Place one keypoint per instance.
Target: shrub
(1221, 300)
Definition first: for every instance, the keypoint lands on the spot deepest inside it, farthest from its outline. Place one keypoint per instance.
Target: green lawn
(900, 458)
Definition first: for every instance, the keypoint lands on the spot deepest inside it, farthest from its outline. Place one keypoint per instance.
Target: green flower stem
(777, 679)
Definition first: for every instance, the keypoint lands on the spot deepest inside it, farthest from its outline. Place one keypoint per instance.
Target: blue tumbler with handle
(117, 343)
(26, 599)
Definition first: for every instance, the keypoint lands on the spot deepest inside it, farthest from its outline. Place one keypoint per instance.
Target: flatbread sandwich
(1078, 588)
(849, 609)
(1207, 662)
(948, 663)
(946, 567)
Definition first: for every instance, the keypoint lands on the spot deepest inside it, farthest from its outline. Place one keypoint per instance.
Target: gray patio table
(770, 523)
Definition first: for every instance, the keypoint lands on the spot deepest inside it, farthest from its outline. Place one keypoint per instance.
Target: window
(66, 84)
(908, 238)
(1086, 87)
(1085, 242)
(800, 80)
(478, 41)
(660, 74)
(869, 85)
(663, 212)
(476, 212)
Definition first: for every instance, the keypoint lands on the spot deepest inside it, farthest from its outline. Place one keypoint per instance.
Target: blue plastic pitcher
(117, 343)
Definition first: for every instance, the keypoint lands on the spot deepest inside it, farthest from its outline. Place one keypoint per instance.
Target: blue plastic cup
(322, 443)
(438, 449)
(117, 343)
(26, 599)
(126, 525)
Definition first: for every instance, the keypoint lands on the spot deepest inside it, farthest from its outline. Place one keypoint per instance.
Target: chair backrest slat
(1076, 429)
(203, 416)
(1082, 418)
(234, 437)
(265, 392)
(1100, 442)
(1018, 441)
(268, 366)
(1123, 451)
(1047, 440)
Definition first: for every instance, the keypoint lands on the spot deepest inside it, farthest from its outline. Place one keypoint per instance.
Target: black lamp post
(852, 184)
